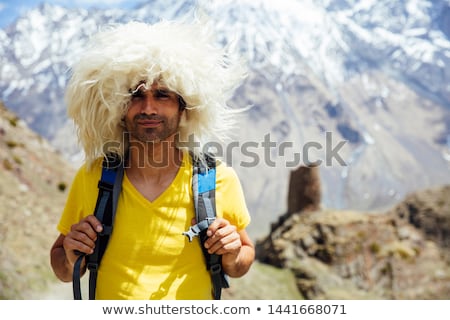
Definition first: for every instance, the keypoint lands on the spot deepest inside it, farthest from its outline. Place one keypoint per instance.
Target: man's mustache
(150, 117)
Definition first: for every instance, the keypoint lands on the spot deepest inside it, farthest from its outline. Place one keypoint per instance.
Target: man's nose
(149, 105)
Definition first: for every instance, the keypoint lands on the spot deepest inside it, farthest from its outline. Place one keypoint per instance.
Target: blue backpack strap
(110, 186)
(204, 187)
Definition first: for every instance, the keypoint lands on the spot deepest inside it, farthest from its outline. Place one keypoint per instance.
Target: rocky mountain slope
(372, 74)
(33, 186)
(339, 254)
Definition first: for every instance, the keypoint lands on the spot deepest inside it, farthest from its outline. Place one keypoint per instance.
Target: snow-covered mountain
(372, 73)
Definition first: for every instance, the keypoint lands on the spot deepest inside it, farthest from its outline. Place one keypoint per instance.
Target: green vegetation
(17, 160)
(11, 144)
(374, 248)
(62, 186)
(7, 164)
(13, 121)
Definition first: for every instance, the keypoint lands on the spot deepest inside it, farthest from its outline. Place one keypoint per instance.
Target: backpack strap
(204, 186)
(110, 186)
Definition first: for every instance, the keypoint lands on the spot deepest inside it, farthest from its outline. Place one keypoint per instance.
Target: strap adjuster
(92, 266)
(216, 268)
(102, 185)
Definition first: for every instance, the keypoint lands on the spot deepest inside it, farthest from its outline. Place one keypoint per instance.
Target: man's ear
(183, 117)
(181, 103)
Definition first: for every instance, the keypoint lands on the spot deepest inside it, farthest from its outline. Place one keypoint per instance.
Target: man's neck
(153, 159)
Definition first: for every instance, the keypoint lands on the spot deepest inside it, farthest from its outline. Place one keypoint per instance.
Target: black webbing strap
(204, 193)
(110, 186)
(76, 277)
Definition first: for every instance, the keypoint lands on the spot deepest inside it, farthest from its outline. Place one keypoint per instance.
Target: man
(140, 91)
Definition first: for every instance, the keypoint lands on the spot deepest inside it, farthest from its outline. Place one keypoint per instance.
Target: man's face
(153, 114)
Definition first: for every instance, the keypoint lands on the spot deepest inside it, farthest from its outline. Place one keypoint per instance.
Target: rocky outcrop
(359, 255)
(429, 211)
(304, 193)
(304, 189)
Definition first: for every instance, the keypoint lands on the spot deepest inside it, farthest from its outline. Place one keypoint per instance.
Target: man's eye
(162, 94)
(137, 94)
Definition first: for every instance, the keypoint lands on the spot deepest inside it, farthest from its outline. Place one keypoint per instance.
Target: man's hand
(81, 238)
(235, 247)
(223, 239)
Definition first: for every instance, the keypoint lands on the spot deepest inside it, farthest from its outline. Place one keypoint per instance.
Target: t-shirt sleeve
(80, 200)
(230, 199)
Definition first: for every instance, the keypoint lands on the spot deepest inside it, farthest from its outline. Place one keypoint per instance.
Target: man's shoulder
(89, 171)
(225, 172)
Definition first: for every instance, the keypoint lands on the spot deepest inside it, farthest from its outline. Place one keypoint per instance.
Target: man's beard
(167, 128)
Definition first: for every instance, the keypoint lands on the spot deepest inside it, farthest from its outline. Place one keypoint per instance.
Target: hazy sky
(11, 9)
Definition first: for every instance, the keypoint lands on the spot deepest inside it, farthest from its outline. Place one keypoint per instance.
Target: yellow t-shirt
(147, 255)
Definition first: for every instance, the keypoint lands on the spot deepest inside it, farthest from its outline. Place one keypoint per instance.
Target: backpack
(110, 186)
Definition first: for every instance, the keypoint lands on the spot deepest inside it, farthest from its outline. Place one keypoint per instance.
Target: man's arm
(61, 266)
